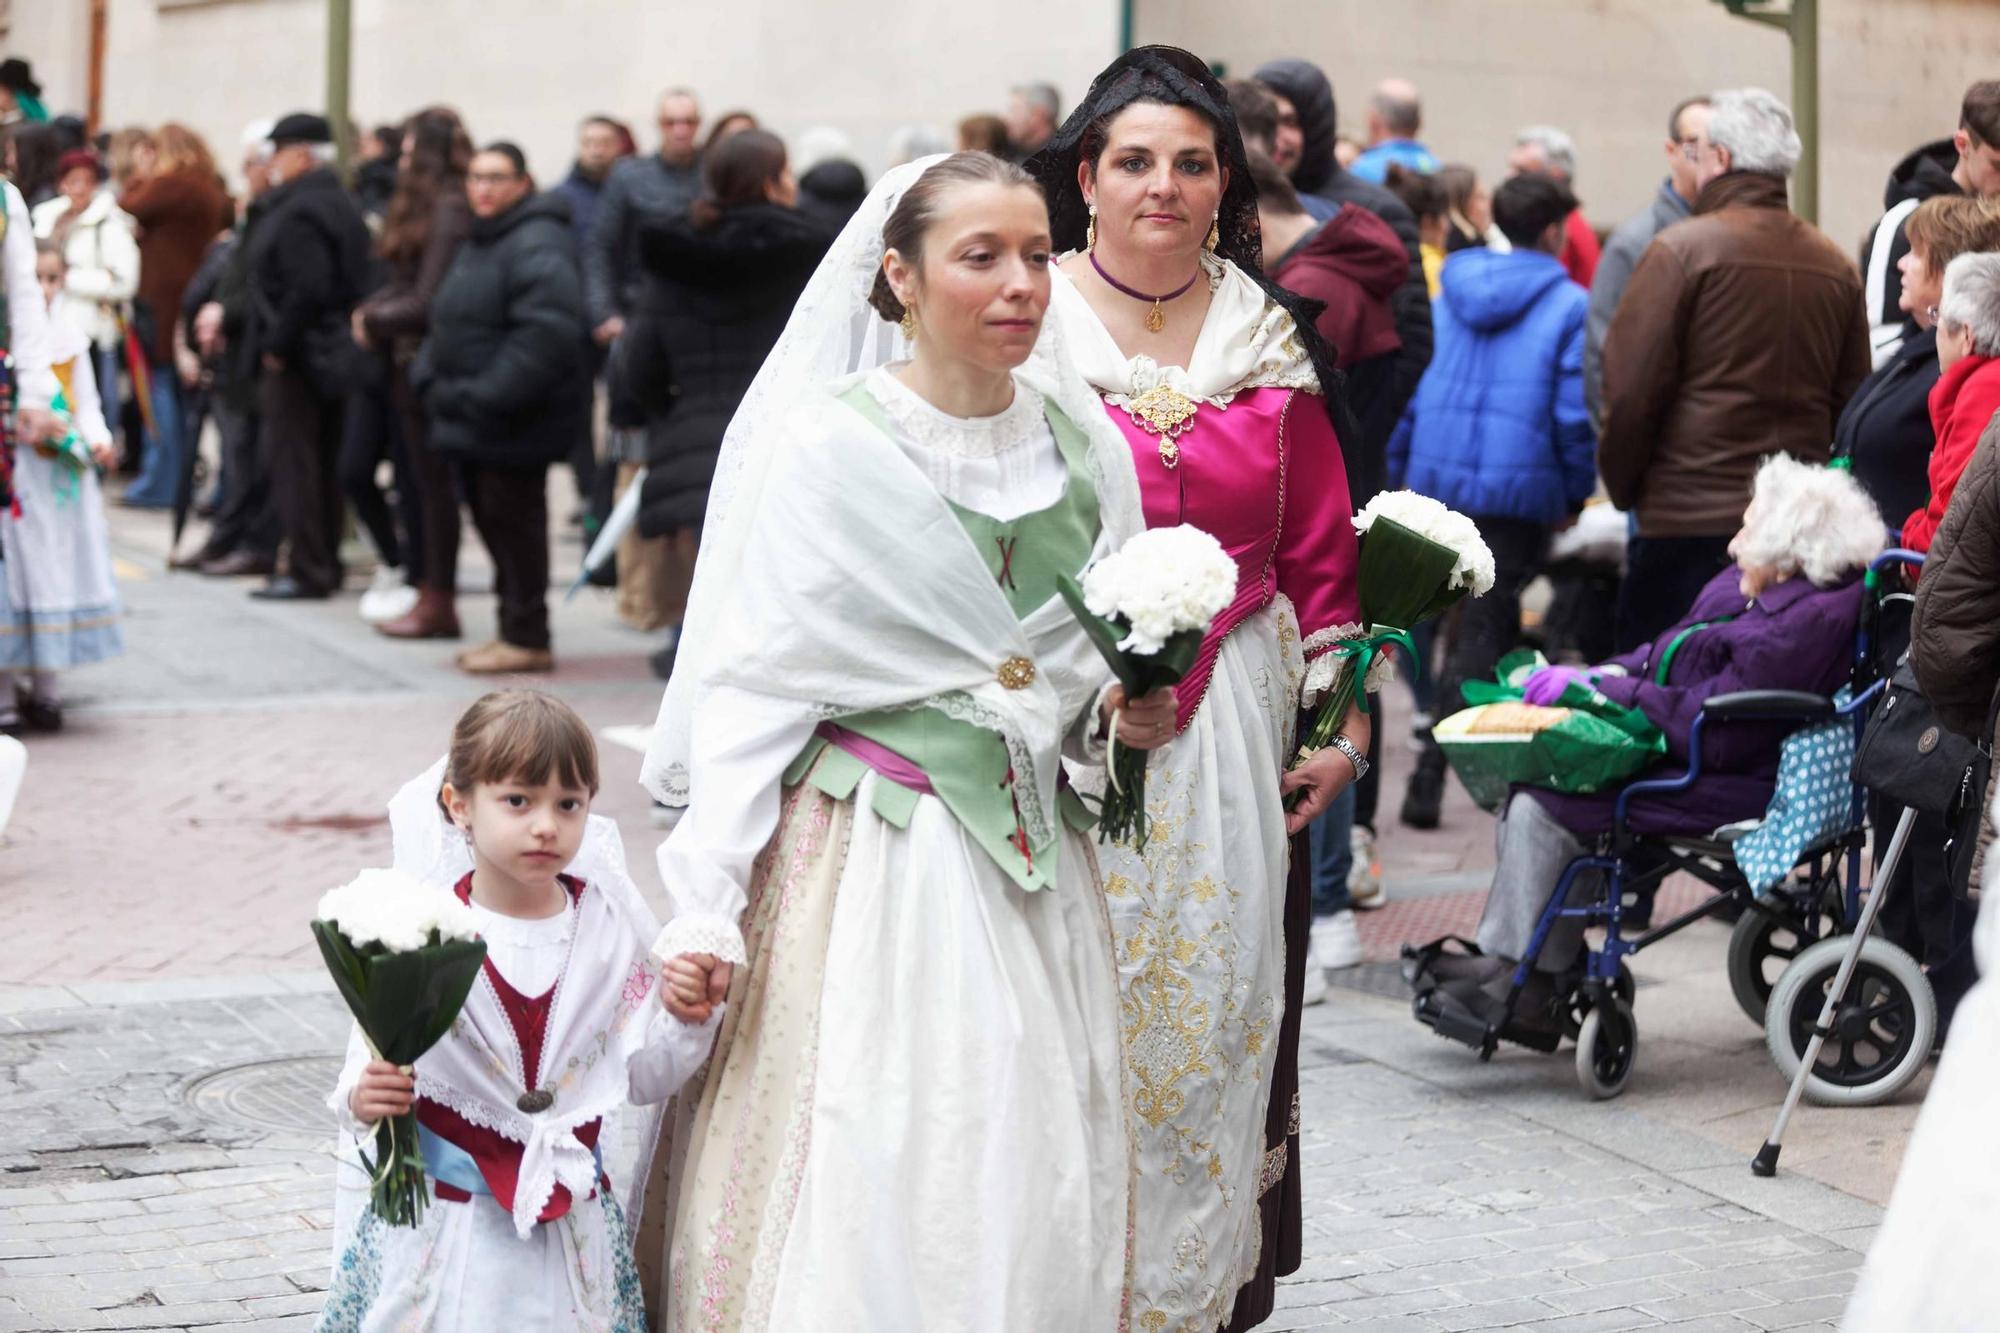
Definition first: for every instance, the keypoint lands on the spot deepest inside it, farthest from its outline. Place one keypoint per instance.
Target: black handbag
(1911, 758)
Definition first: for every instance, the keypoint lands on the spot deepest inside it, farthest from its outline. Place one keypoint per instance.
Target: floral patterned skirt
(913, 1116)
(462, 1269)
(1199, 919)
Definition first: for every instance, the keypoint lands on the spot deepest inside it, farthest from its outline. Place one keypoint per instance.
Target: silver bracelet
(1354, 756)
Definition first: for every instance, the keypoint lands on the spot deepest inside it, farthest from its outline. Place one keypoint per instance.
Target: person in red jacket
(1967, 394)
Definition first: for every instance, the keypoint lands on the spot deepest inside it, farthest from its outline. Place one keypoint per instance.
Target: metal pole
(339, 43)
(1125, 25)
(1805, 106)
(94, 106)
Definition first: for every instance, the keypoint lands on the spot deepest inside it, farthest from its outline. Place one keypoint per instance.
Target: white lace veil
(834, 333)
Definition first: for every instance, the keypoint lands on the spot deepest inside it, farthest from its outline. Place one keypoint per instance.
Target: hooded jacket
(1301, 83)
(1614, 269)
(1740, 335)
(505, 370)
(1925, 174)
(1498, 427)
(714, 303)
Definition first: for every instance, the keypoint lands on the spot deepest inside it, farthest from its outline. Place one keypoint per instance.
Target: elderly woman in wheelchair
(1769, 640)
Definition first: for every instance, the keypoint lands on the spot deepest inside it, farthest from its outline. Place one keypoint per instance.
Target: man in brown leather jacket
(1741, 334)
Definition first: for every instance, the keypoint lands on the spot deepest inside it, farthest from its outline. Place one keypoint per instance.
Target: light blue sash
(446, 1161)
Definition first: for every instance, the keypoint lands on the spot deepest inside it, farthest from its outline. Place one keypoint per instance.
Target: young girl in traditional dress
(58, 604)
(521, 1231)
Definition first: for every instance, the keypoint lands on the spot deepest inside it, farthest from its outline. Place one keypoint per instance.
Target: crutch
(1766, 1161)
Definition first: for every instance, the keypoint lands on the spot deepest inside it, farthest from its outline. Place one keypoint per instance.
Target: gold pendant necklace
(1157, 319)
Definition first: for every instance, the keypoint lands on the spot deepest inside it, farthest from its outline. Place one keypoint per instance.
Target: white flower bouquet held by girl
(1417, 560)
(404, 955)
(1147, 607)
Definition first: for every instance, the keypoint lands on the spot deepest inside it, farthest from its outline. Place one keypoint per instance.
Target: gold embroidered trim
(1294, 1124)
(1166, 412)
(1275, 1162)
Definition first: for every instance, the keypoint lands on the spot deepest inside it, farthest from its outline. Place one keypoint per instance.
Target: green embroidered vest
(968, 765)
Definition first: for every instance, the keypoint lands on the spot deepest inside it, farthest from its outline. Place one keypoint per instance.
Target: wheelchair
(1785, 951)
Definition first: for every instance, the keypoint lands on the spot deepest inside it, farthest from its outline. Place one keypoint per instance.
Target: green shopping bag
(1583, 744)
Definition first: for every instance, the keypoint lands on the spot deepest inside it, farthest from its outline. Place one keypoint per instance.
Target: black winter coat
(505, 370)
(306, 261)
(1885, 431)
(713, 305)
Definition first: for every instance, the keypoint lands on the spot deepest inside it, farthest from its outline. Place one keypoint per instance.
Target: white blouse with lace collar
(1002, 466)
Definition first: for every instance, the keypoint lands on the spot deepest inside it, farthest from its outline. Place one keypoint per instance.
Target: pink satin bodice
(1264, 477)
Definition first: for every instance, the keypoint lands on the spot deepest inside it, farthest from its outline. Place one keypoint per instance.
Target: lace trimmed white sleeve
(1325, 666)
(343, 1088)
(741, 745)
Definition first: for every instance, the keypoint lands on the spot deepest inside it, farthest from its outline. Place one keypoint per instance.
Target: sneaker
(1364, 877)
(1315, 989)
(1337, 941)
(389, 597)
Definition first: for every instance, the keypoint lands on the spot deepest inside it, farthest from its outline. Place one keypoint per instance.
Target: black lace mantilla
(1170, 76)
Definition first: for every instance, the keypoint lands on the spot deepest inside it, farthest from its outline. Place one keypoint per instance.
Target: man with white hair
(1741, 334)
(307, 262)
(1395, 114)
(1544, 150)
(1033, 112)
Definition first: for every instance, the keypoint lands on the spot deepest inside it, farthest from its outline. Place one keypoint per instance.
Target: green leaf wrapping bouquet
(1418, 559)
(404, 955)
(1581, 745)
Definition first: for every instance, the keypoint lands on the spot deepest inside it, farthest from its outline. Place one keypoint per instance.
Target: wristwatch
(1354, 756)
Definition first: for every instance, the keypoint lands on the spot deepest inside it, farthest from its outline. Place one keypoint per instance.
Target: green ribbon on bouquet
(1362, 653)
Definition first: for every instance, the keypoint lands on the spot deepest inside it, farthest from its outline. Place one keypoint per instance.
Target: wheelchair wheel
(1579, 1003)
(1606, 1048)
(1763, 944)
(1882, 1031)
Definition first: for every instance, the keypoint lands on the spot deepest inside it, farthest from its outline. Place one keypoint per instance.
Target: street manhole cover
(288, 1094)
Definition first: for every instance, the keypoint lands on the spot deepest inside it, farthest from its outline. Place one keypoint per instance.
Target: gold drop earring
(1090, 231)
(908, 323)
(1214, 234)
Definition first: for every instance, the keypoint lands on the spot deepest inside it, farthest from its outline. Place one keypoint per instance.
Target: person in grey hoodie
(1622, 250)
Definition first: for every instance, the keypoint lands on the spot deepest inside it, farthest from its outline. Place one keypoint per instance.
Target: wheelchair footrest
(1447, 1015)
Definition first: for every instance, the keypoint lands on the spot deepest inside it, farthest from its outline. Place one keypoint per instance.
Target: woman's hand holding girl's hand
(692, 984)
(382, 1090)
(1143, 724)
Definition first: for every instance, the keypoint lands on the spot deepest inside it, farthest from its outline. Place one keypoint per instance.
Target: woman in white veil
(914, 1116)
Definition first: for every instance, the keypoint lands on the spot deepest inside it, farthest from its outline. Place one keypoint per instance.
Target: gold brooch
(1166, 412)
(1017, 673)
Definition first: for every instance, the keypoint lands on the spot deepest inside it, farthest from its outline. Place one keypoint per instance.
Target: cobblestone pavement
(166, 1039)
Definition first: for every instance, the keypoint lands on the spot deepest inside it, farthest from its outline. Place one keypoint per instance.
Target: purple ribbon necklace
(1156, 319)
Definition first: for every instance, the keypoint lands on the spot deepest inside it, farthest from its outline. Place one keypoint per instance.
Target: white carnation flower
(1163, 582)
(396, 910)
(1447, 527)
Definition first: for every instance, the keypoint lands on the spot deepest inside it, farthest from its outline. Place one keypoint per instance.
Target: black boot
(1424, 797)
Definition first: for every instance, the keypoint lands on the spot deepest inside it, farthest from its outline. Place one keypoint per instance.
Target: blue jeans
(160, 470)
(1333, 855)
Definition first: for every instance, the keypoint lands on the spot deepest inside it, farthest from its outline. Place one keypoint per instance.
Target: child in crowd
(521, 1231)
(58, 604)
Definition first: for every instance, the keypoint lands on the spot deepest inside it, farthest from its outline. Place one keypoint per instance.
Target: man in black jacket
(305, 262)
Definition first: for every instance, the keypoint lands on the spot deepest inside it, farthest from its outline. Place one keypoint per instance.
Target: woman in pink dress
(1229, 399)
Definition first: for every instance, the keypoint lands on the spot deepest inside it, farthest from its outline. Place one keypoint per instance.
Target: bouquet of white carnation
(404, 955)
(1418, 559)
(1146, 607)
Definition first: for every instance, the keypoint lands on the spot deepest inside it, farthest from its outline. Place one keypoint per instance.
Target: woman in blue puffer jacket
(1498, 429)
